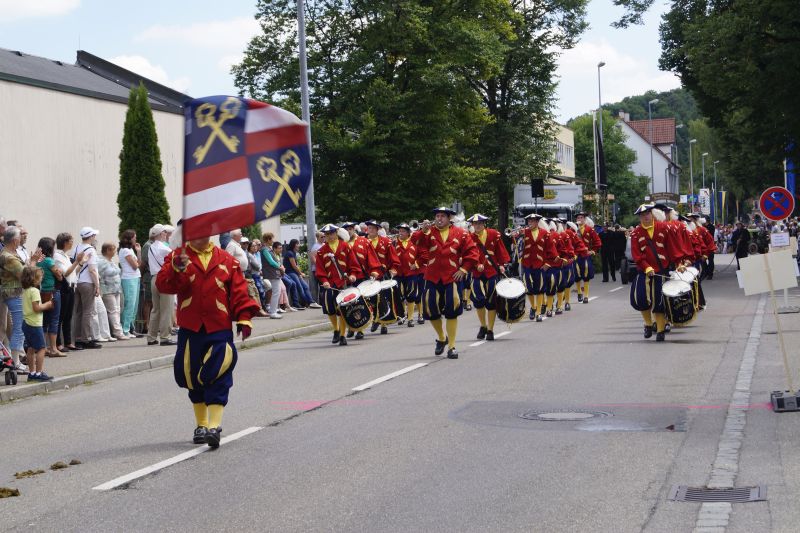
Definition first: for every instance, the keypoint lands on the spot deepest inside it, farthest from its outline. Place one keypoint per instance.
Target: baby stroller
(7, 365)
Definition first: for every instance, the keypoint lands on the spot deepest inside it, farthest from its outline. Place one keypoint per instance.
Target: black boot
(648, 332)
(410, 323)
(336, 337)
(482, 333)
(199, 436)
(213, 436)
(440, 345)
(567, 307)
(490, 335)
(374, 327)
(532, 314)
(660, 336)
(359, 335)
(350, 334)
(384, 330)
(452, 353)
(342, 341)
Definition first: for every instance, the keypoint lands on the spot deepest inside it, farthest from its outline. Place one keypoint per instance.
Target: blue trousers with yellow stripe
(483, 292)
(442, 299)
(567, 277)
(204, 364)
(410, 288)
(535, 280)
(584, 268)
(646, 293)
(552, 278)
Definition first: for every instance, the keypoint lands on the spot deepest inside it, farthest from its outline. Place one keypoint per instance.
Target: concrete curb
(66, 382)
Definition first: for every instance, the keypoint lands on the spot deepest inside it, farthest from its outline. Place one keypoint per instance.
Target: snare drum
(510, 300)
(369, 288)
(354, 308)
(390, 306)
(678, 302)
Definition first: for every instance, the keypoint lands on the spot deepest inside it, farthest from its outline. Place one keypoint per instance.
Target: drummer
(422, 259)
(579, 247)
(408, 271)
(492, 258)
(566, 254)
(701, 250)
(654, 248)
(538, 255)
(368, 265)
(336, 267)
(389, 263)
(449, 246)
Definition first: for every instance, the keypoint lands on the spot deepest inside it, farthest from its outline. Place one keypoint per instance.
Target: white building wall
(642, 164)
(59, 161)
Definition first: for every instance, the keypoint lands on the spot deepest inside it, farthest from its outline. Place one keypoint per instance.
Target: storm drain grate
(683, 493)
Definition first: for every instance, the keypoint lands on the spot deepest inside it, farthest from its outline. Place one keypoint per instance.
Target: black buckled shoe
(543, 309)
(410, 323)
(559, 311)
(384, 330)
(586, 300)
(199, 436)
(660, 336)
(490, 335)
(667, 327)
(539, 318)
(580, 297)
(374, 327)
(359, 335)
(440, 345)
(336, 336)
(350, 334)
(420, 320)
(648, 332)
(532, 314)
(567, 307)
(452, 353)
(213, 436)
(342, 341)
(549, 313)
(482, 332)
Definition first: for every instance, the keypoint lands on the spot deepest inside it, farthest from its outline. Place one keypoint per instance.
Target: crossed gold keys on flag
(266, 166)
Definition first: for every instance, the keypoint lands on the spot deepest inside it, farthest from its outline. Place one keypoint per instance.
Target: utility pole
(311, 222)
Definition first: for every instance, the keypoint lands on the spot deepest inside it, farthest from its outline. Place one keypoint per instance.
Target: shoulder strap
(654, 250)
(486, 253)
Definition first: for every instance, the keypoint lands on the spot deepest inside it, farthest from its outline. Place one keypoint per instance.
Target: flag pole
(311, 223)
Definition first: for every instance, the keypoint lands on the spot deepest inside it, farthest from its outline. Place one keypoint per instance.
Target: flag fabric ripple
(244, 161)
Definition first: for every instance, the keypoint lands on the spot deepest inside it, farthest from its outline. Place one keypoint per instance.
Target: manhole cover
(563, 415)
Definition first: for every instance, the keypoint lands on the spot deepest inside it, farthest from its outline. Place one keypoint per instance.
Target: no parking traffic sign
(776, 203)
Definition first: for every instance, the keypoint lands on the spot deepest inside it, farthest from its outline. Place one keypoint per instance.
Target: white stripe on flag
(267, 118)
(231, 194)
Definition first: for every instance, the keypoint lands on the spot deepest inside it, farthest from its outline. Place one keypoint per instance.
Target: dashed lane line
(387, 377)
(615, 290)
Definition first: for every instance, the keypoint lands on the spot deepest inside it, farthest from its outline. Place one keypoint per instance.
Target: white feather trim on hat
(588, 222)
(552, 226)
(176, 239)
(543, 225)
(659, 215)
(572, 225)
(343, 234)
(560, 227)
(702, 221)
(382, 232)
(691, 226)
(673, 215)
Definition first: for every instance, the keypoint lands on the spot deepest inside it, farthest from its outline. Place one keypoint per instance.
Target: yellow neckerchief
(482, 236)
(535, 232)
(404, 243)
(334, 245)
(445, 233)
(581, 228)
(374, 241)
(204, 255)
(650, 229)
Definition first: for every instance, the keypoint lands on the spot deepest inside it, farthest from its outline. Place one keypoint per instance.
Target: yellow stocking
(585, 290)
(452, 326)
(648, 317)
(201, 414)
(661, 322)
(215, 415)
(342, 326)
(567, 295)
(481, 315)
(532, 298)
(334, 322)
(437, 325)
(410, 310)
(549, 302)
(492, 316)
(560, 300)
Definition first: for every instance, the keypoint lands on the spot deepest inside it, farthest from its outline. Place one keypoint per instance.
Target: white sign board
(777, 240)
(704, 199)
(754, 272)
(684, 199)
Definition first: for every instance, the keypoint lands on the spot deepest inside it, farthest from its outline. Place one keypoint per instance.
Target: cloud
(143, 66)
(22, 9)
(623, 75)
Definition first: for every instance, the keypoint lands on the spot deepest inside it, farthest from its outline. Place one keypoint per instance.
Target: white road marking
(615, 290)
(114, 483)
(474, 344)
(501, 334)
(387, 377)
(593, 298)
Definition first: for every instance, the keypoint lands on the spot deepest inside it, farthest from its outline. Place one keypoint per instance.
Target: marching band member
(702, 247)
(408, 271)
(538, 255)
(580, 249)
(388, 259)
(566, 253)
(492, 258)
(585, 265)
(552, 275)
(211, 292)
(654, 248)
(367, 261)
(422, 258)
(336, 266)
(451, 254)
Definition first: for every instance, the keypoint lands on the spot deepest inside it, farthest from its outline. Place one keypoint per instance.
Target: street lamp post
(677, 170)
(650, 115)
(703, 163)
(714, 203)
(600, 98)
(691, 172)
(311, 223)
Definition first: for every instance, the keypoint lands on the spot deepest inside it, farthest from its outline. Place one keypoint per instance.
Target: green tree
(628, 189)
(141, 200)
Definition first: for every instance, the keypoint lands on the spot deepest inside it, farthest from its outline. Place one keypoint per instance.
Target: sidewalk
(124, 357)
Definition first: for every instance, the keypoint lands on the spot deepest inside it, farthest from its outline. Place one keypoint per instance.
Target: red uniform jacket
(445, 257)
(665, 244)
(210, 297)
(387, 255)
(367, 260)
(422, 251)
(326, 269)
(709, 246)
(590, 238)
(408, 258)
(697, 246)
(578, 246)
(564, 248)
(682, 236)
(496, 249)
(539, 252)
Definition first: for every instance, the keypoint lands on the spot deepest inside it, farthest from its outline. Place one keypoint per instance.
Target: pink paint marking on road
(308, 405)
(765, 405)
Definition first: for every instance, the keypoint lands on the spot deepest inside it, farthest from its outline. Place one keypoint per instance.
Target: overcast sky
(190, 46)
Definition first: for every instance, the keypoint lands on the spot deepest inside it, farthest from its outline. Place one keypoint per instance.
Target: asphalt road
(440, 448)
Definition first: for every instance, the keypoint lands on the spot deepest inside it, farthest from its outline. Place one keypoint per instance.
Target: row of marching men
(670, 251)
(369, 279)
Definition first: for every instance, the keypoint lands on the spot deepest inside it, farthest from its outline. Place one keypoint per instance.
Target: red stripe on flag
(217, 222)
(275, 139)
(214, 175)
(255, 104)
